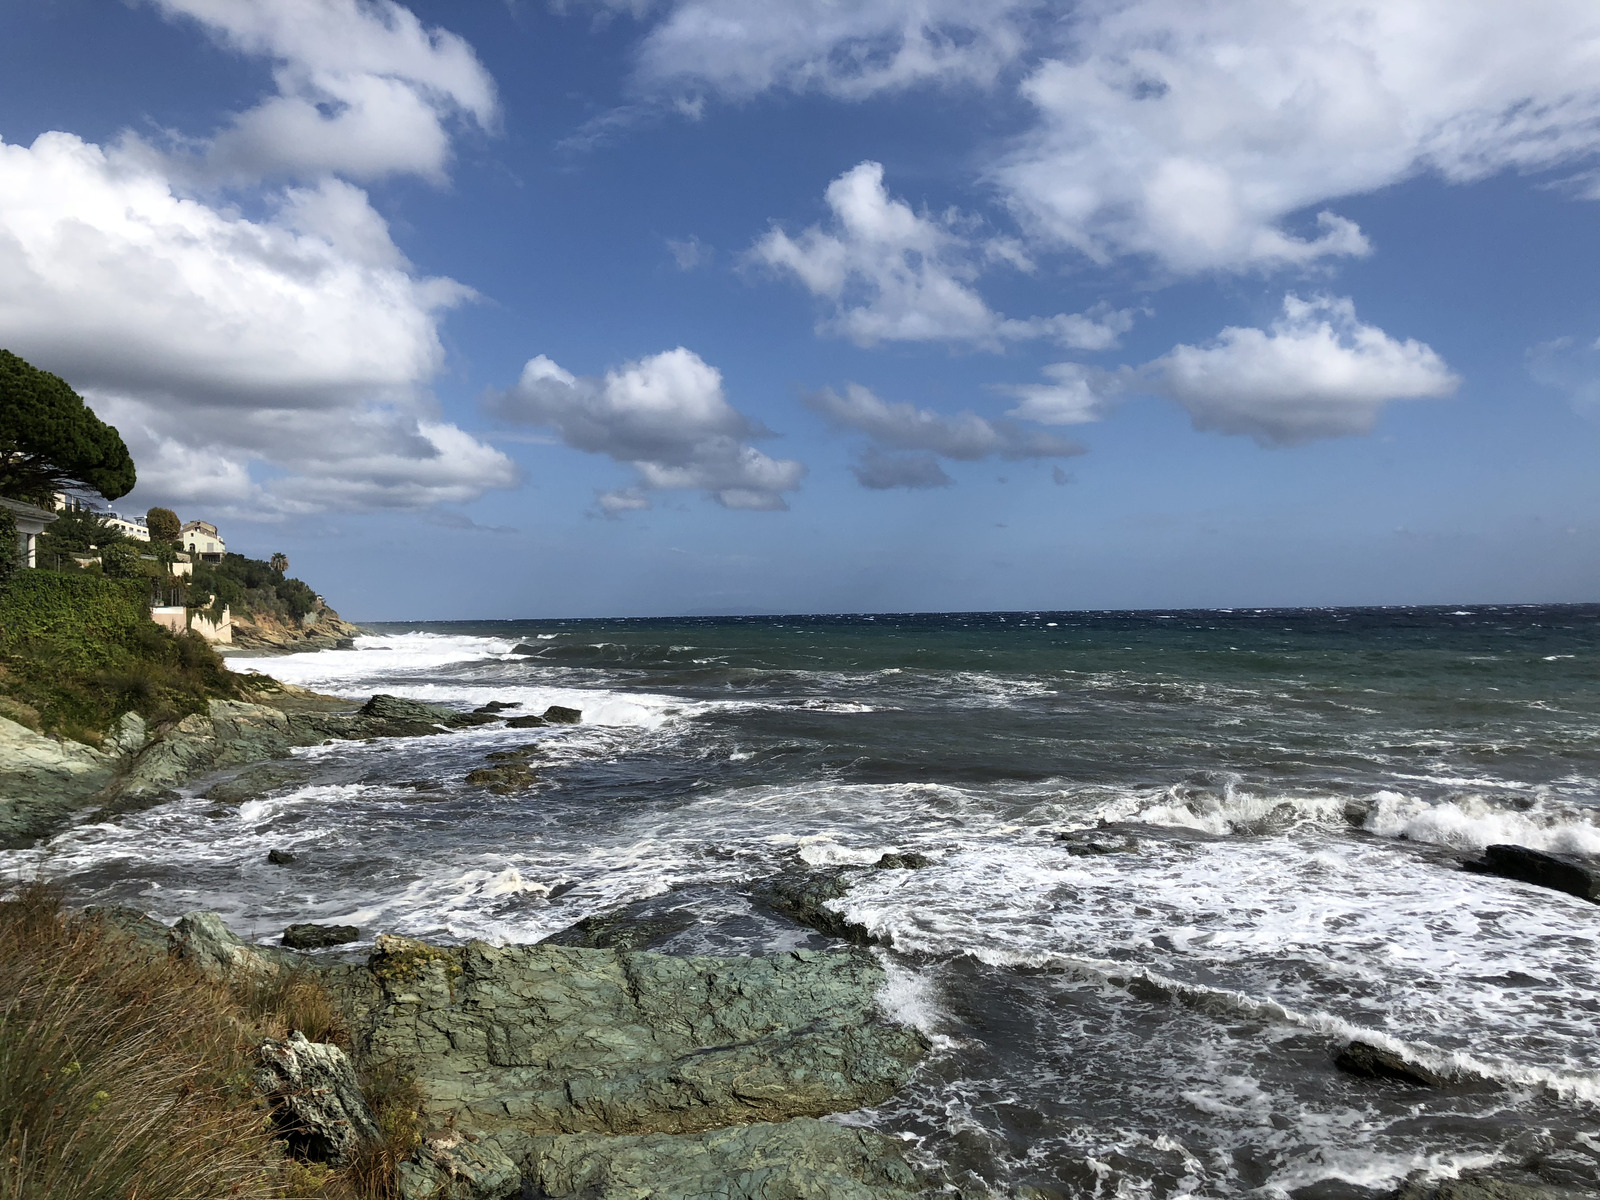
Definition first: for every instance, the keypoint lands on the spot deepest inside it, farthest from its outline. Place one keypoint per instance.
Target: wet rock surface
(315, 937)
(1570, 873)
(1375, 1062)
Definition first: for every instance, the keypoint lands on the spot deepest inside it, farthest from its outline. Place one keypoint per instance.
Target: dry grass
(125, 1075)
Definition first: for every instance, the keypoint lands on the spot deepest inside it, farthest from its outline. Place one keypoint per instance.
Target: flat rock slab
(1561, 872)
(557, 1039)
(801, 1159)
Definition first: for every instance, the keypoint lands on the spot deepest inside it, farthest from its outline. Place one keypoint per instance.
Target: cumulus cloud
(302, 342)
(364, 90)
(920, 436)
(667, 417)
(1206, 136)
(854, 49)
(1317, 372)
(890, 273)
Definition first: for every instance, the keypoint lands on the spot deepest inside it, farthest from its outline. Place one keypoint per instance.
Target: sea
(1177, 861)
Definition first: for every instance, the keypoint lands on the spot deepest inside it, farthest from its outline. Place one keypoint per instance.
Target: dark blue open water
(1298, 786)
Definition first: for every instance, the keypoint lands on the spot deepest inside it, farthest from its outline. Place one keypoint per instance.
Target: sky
(514, 308)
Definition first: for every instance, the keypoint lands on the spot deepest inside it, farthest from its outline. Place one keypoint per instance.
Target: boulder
(280, 858)
(558, 714)
(1477, 1186)
(1375, 1062)
(315, 1099)
(395, 716)
(203, 939)
(316, 937)
(903, 862)
(1570, 873)
(803, 894)
(527, 722)
(258, 781)
(497, 706)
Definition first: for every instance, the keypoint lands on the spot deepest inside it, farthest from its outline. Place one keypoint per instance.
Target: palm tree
(280, 563)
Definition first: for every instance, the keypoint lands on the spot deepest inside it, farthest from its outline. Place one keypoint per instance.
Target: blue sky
(499, 308)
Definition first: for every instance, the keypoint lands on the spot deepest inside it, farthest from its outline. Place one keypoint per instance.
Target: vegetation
(163, 525)
(76, 530)
(125, 1073)
(252, 588)
(10, 553)
(78, 650)
(51, 441)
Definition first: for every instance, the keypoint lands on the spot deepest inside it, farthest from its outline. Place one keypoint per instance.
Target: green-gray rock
(553, 1039)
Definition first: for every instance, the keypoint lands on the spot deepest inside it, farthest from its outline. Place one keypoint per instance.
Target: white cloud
(1207, 136)
(1075, 395)
(907, 441)
(1192, 132)
(667, 417)
(301, 342)
(1318, 372)
(892, 274)
(844, 48)
(364, 89)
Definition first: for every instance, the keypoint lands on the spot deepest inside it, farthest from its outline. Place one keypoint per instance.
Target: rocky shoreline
(558, 1071)
(46, 782)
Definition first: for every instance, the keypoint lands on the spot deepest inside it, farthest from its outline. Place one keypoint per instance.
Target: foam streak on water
(1177, 861)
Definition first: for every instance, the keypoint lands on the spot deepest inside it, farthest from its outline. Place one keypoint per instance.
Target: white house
(202, 541)
(131, 526)
(31, 521)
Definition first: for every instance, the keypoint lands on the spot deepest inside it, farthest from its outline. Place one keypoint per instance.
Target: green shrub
(10, 555)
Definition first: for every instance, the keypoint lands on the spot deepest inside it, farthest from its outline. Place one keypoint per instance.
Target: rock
(804, 895)
(802, 1159)
(525, 648)
(1375, 1062)
(258, 781)
(561, 889)
(315, 937)
(497, 706)
(527, 722)
(394, 716)
(903, 862)
(129, 734)
(203, 939)
(1084, 845)
(1568, 873)
(1477, 1186)
(316, 1102)
(43, 780)
(467, 719)
(503, 780)
(625, 928)
(552, 1039)
(459, 1165)
(280, 858)
(152, 935)
(558, 714)
(520, 754)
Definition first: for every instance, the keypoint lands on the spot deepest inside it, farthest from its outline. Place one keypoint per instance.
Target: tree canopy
(163, 525)
(51, 441)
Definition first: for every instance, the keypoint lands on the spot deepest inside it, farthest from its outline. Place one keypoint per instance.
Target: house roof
(23, 509)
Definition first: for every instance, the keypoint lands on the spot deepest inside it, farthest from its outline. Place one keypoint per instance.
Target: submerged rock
(315, 1099)
(504, 779)
(1375, 1062)
(903, 862)
(1568, 873)
(497, 706)
(280, 858)
(315, 937)
(528, 722)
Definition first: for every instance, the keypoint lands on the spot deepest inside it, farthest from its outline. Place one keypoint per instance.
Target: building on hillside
(202, 541)
(31, 521)
(130, 525)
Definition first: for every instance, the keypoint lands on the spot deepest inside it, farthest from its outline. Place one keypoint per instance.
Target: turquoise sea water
(1295, 789)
